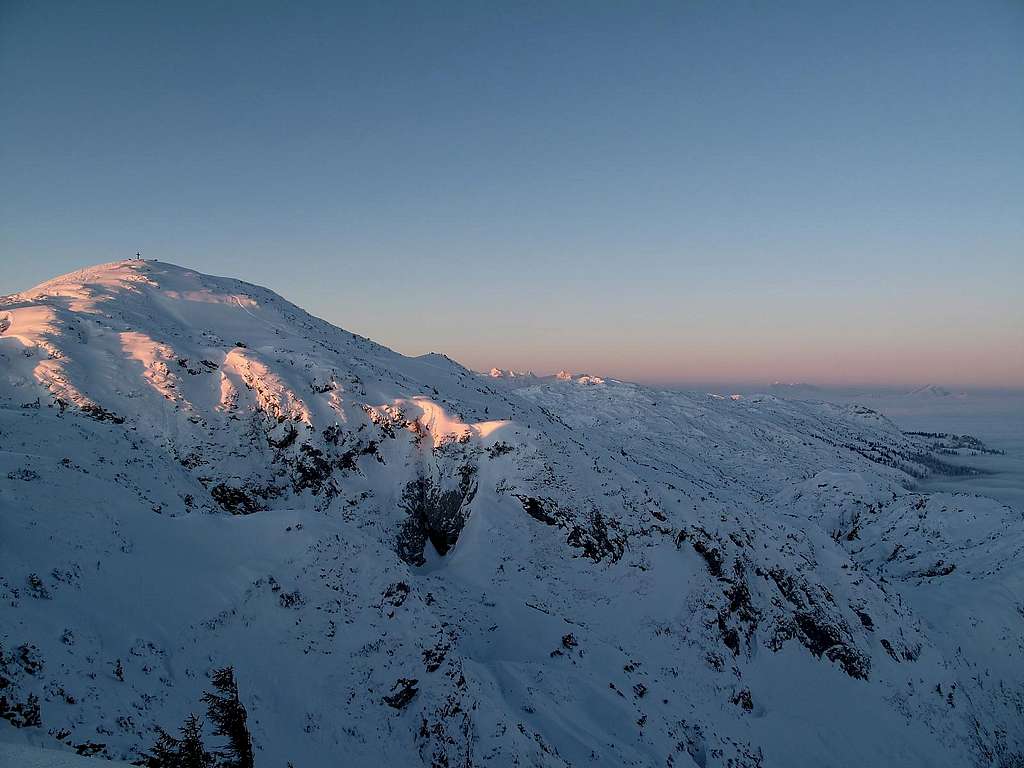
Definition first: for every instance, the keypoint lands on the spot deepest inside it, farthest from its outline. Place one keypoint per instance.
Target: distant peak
(581, 378)
(793, 385)
(499, 373)
(930, 390)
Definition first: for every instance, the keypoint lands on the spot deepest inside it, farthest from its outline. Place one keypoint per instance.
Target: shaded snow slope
(32, 757)
(20, 753)
(411, 564)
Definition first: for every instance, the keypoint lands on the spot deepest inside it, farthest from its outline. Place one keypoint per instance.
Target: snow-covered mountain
(408, 563)
(499, 373)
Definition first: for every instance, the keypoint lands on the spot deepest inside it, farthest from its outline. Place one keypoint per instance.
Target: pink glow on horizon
(895, 363)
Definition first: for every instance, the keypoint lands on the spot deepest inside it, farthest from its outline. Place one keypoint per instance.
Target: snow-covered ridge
(411, 564)
(499, 373)
(528, 378)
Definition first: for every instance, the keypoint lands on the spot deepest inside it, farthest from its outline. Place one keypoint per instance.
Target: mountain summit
(408, 563)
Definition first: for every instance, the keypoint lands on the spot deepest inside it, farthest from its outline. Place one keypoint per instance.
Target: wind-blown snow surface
(408, 563)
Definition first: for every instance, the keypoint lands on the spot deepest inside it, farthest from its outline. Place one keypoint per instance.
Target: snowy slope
(408, 563)
(29, 757)
(18, 755)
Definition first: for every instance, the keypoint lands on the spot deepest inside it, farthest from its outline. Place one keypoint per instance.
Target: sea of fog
(994, 417)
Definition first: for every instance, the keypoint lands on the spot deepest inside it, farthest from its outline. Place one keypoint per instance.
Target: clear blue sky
(683, 191)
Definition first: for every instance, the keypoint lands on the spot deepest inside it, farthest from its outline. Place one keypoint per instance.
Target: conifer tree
(187, 751)
(165, 752)
(227, 713)
(191, 751)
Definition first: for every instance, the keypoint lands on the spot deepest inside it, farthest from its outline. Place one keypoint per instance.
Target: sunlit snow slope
(408, 563)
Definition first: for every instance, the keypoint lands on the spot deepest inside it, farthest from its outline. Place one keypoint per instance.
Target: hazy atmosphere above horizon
(670, 192)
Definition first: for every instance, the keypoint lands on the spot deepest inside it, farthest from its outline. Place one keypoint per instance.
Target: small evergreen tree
(165, 752)
(228, 715)
(187, 751)
(192, 752)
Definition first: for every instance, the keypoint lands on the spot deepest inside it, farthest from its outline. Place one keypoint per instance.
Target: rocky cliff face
(409, 563)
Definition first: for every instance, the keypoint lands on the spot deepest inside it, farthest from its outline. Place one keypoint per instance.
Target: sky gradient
(683, 192)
